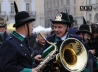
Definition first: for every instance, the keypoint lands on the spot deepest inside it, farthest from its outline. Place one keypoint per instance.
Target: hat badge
(58, 17)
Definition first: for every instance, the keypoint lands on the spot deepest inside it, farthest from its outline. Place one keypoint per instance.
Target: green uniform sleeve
(96, 67)
(86, 70)
(26, 70)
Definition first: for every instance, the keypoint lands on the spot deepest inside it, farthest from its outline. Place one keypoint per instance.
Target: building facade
(91, 16)
(40, 18)
(52, 7)
(7, 8)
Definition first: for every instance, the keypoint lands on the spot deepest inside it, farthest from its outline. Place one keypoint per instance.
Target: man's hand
(38, 57)
(34, 69)
(92, 51)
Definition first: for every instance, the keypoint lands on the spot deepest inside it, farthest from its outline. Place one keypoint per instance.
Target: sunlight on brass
(73, 55)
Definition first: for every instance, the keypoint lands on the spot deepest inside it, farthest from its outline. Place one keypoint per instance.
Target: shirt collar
(22, 35)
(63, 38)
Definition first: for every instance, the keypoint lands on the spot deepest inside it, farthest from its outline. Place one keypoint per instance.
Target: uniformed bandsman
(15, 51)
(61, 25)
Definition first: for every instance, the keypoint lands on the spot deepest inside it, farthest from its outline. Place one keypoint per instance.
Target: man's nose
(56, 29)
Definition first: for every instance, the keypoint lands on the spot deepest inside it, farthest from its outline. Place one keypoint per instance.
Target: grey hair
(43, 32)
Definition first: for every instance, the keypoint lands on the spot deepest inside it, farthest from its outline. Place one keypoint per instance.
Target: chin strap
(66, 30)
(83, 37)
(28, 30)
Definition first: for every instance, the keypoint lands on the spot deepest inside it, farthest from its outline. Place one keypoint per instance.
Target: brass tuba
(73, 55)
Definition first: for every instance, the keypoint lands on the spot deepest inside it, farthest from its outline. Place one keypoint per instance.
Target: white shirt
(23, 36)
(63, 38)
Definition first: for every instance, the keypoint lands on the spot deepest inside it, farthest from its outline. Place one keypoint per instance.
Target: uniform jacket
(15, 54)
(36, 50)
(32, 39)
(94, 45)
(53, 39)
(3, 36)
(72, 30)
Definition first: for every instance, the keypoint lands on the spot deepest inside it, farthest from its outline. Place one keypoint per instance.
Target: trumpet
(49, 56)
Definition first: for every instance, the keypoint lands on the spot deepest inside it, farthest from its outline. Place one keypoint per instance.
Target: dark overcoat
(15, 54)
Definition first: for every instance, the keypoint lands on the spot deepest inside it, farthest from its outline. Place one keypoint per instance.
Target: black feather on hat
(22, 17)
(84, 21)
(62, 18)
(16, 8)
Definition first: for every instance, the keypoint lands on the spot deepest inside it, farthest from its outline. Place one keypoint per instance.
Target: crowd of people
(21, 50)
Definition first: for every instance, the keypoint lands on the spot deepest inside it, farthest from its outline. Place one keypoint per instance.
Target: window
(54, 3)
(65, 8)
(27, 7)
(68, 2)
(90, 16)
(89, 1)
(50, 4)
(49, 14)
(0, 7)
(46, 14)
(74, 11)
(58, 3)
(74, 1)
(54, 14)
(47, 5)
(12, 8)
(61, 2)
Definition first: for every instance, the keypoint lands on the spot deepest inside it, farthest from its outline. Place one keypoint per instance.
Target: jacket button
(25, 54)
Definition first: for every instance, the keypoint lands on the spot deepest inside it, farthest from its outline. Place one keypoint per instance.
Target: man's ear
(25, 26)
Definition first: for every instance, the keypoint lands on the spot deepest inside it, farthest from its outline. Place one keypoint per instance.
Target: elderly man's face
(59, 29)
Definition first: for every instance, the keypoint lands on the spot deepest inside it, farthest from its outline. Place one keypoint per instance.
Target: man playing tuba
(61, 24)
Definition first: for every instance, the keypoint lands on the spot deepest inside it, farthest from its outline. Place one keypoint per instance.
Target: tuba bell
(73, 55)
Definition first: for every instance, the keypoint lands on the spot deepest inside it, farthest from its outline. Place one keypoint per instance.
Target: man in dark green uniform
(15, 51)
